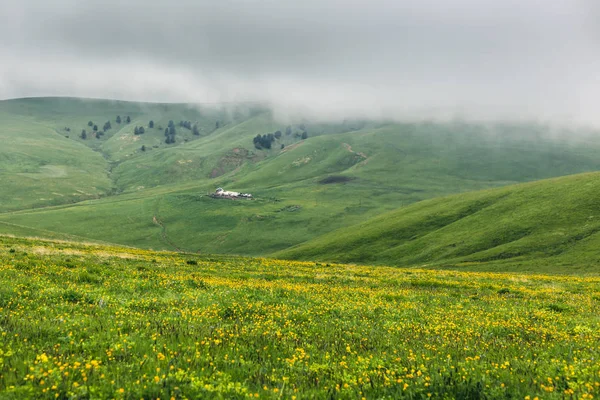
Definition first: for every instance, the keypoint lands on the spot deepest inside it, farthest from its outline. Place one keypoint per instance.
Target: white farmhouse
(220, 192)
(226, 193)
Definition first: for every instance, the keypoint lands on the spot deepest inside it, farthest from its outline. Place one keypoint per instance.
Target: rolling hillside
(551, 225)
(137, 190)
(45, 161)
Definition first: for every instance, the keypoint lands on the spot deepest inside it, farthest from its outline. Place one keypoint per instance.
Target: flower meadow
(83, 321)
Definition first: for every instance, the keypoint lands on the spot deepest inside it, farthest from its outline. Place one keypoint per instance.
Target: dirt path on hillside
(349, 148)
(363, 155)
(292, 146)
(163, 233)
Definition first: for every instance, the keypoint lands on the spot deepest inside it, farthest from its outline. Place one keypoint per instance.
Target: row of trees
(140, 129)
(188, 125)
(170, 132)
(98, 133)
(170, 135)
(107, 126)
(170, 139)
(127, 119)
(266, 141)
(84, 134)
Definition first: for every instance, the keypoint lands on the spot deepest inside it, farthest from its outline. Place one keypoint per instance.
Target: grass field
(551, 225)
(83, 321)
(40, 167)
(342, 175)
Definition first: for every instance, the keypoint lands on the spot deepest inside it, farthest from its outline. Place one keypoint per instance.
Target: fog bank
(322, 59)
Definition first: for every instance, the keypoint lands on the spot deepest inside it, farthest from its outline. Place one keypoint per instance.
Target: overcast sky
(479, 59)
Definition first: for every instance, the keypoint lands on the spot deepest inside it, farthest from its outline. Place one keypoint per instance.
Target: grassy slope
(546, 225)
(42, 164)
(162, 202)
(192, 161)
(84, 321)
(39, 166)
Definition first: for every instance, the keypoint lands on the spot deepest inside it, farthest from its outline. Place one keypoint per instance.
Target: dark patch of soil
(335, 179)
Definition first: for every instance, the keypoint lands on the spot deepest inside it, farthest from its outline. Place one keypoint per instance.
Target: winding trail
(163, 233)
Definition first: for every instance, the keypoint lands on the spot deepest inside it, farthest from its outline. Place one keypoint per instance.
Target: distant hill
(547, 226)
(307, 178)
(63, 150)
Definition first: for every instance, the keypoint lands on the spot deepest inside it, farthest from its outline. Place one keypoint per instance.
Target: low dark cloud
(479, 59)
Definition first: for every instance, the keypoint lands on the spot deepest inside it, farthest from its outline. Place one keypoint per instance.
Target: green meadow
(80, 321)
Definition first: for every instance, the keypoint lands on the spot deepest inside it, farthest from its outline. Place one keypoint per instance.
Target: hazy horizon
(484, 60)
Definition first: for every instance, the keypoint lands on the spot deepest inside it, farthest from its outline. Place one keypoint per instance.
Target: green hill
(40, 166)
(108, 188)
(549, 225)
(44, 159)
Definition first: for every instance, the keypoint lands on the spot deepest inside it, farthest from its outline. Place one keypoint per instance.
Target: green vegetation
(140, 190)
(53, 151)
(82, 321)
(39, 166)
(551, 225)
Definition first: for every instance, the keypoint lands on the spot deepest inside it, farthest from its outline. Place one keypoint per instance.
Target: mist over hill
(409, 60)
